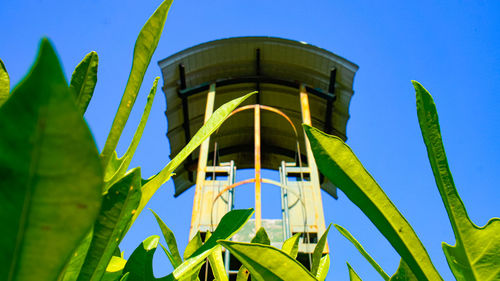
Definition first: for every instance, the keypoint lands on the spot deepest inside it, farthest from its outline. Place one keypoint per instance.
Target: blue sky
(451, 47)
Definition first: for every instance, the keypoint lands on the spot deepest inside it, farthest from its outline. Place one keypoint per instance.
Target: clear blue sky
(451, 47)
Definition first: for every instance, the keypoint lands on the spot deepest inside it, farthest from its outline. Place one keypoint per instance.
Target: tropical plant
(65, 207)
(476, 256)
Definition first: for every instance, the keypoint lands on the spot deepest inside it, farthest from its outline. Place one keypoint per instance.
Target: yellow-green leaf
(291, 245)
(267, 263)
(323, 268)
(84, 79)
(4, 83)
(476, 255)
(363, 252)
(145, 45)
(119, 205)
(173, 254)
(353, 276)
(403, 273)
(339, 164)
(318, 251)
(51, 178)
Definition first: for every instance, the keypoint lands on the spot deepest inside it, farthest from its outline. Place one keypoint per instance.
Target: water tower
(296, 83)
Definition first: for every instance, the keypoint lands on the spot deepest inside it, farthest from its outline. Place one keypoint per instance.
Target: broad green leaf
(4, 83)
(324, 266)
(403, 273)
(175, 257)
(339, 164)
(217, 118)
(476, 255)
(119, 205)
(267, 263)
(318, 251)
(51, 178)
(140, 264)
(193, 245)
(145, 45)
(120, 166)
(353, 276)
(114, 269)
(217, 264)
(261, 237)
(362, 250)
(291, 245)
(228, 226)
(125, 277)
(74, 265)
(84, 79)
(242, 274)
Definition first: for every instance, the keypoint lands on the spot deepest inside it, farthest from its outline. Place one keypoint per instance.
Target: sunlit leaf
(217, 265)
(114, 269)
(174, 257)
(267, 263)
(145, 45)
(353, 276)
(363, 252)
(217, 118)
(261, 238)
(140, 264)
(193, 245)
(228, 226)
(84, 79)
(72, 269)
(323, 268)
(476, 255)
(119, 166)
(339, 164)
(291, 245)
(4, 83)
(51, 178)
(119, 205)
(403, 273)
(318, 251)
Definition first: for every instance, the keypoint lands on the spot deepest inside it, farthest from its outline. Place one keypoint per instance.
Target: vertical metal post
(202, 166)
(258, 210)
(313, 169)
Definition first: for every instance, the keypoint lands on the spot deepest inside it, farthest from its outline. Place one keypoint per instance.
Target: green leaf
(175, 257)
(114, 269)
(403, 273)
(118, 167)
(84, 79)
(145, 45)
(4, 83)
(324, 266)
(291, 245)
(363, 252)
(242, 274)
(193, 245)
(339, 164)
(119, 205)
(476, 255)
(261, 237)
(50, 192)
(228, 226)
(353, 276)
(318, 251)
(140, 264)
(217, 265)
(217, 118)
(74, 265)
(267, 263)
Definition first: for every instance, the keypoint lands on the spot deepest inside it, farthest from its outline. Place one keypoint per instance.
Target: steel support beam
(258, 207)
(202, 166)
